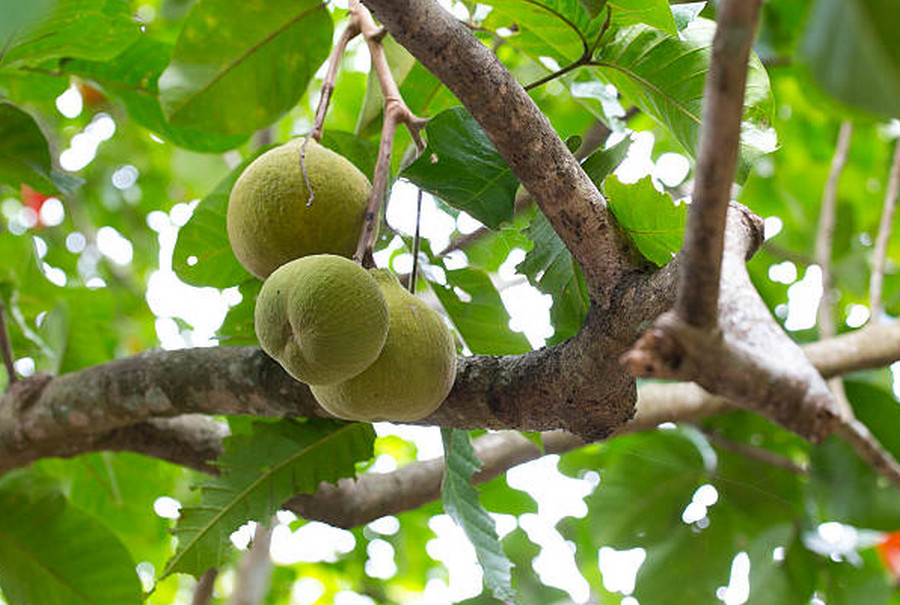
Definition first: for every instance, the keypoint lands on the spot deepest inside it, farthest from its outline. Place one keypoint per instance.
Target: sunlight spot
(124, 177)
(70, 102)
(306, 591)
(803, 300)
(54, 275)
(243, 536)
(783, 273)
(114, 246)
(314, 542)
(167, 507)
(381, 563)
(638, 163)
(462, 295)
(466, 224)
(619, 568)
(52, 212)
(772, 226)
(348, 597)
(24, 366)
(386, 526)
(738, 589)
(147, 573)
(857, 315)
(452, 548)
(671, 169)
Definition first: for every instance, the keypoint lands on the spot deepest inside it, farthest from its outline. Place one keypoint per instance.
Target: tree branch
(723, 107)
(884, 235)
(519, 131)
(6, 348)
(824, 246)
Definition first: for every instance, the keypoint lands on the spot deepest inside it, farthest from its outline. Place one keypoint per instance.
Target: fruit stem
(415, 251)
(334, 62)
(395, 112)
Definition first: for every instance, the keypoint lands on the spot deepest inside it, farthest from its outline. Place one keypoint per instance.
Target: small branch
(334, 62)
(884, 234)
(395, 112)
(870, 450)
(824, 247)
(723, 107)
(756, 453)
(6, 349)
(203, 590)
(825, 234)
(254, 572)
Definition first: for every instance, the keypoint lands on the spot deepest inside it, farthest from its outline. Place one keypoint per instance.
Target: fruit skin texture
(414, 372)
(269, 222)
(322, 317)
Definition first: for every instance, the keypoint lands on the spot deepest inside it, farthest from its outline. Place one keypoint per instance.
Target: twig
(395, 112)
(334, 62)
(415, 250)
(884, 234)
(204, 588)
(825, 234)
(6, 348)
(869, 449)
(254, 572)
(723, 106)
(824, 246)
(757, 453)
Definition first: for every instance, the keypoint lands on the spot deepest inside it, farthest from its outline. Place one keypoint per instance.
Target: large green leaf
(239, 327)
(475, 307)
(54, 553)
(24, 155)
(240, 64)
(203, 255)
(94, 29)
(852, 48)
(850, 584)
(560, 29)
(655, 13)
(462, 167)
(664, 75)
(461, 503)
(651, 219)
(131, 77)
(19, 14)
(121, 488)
(259, 472)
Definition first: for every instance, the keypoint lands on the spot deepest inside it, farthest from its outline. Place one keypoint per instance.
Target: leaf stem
(884, 234)
(334, 62)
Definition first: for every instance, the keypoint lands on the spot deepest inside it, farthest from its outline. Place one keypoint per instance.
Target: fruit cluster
(369, 349)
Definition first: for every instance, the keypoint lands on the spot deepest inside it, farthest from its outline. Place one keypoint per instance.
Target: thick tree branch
(723, 107)
(521, 133)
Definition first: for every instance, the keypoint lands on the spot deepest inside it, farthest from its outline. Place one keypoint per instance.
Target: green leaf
(651, 219)
(24, 154)
(260, 472)
(203, 255)
(560, 29)
(475, 307)
(131, 77)
(461, 503)
(664, 75)
(89, 29)
(462, 167)
(52, 552)
(20, 14)
(849, 584)
(879, 410)
(655, 13)
(848, 490)
(362, 153)
(852, 51)
(239, 327)
(602, 162)
(239, 65)
(121, 488)
(551, 269)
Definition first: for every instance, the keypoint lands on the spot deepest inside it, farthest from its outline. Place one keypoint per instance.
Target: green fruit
(322, 317)
(414, 372)
(270, 221)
